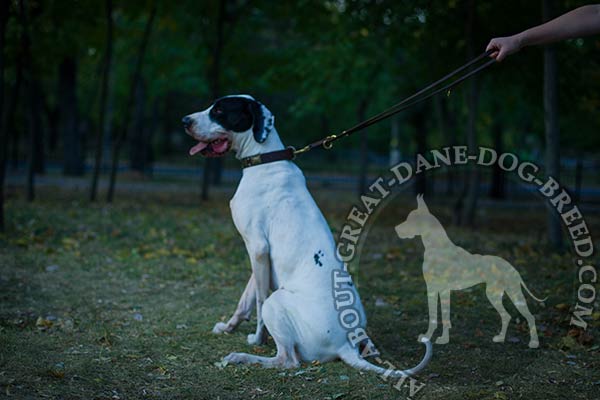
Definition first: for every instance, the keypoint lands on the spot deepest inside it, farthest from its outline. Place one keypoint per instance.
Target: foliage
(313, 61)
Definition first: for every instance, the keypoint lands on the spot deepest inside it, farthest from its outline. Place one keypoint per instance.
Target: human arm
(583, 21)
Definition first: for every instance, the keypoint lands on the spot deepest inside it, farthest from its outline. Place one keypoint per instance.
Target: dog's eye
(218, 110)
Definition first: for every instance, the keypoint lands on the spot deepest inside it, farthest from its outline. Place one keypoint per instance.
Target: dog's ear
(421, 203)
(258, 122)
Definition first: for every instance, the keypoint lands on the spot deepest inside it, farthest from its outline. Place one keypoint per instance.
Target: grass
(117, 302)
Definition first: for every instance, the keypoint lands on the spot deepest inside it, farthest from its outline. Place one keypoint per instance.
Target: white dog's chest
(273, 205)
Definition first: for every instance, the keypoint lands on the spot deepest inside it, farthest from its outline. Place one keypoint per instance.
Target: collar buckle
(252, 160)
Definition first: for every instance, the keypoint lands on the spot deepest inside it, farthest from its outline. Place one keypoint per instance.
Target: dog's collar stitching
(264, 158)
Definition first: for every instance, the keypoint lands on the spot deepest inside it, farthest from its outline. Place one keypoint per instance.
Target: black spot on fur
(317, 258)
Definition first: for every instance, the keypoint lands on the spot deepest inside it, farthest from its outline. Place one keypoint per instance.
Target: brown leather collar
(265, 158)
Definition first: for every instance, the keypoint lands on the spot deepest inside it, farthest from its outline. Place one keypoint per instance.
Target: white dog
(291, 249)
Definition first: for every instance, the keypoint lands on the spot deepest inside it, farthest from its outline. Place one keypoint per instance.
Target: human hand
(504, 46)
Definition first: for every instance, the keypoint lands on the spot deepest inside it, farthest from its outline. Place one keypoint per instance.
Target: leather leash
(290, 152)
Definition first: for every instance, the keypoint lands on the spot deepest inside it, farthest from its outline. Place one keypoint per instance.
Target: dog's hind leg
(286, 357)
(446, 324)
(284, 335)
(243, 310)
(494, 295)
(432, 302)
(517, 297)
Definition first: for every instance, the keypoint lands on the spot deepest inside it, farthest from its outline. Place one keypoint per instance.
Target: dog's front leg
(243, 310)
(261, 269)
(432, 302)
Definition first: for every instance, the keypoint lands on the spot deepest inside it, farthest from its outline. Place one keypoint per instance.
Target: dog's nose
(187, 122)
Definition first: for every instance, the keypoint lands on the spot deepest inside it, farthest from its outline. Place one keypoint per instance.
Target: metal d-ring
(327, 143)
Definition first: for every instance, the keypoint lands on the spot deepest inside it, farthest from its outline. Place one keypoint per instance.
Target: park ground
(118, 301)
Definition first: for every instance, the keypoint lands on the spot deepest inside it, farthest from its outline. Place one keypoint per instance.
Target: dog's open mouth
(214, 148)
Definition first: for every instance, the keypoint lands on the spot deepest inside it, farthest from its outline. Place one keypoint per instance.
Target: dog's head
(418, 222)
(227, 124)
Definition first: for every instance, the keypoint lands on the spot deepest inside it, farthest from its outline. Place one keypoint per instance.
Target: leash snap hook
(302, 150)
(328, 142)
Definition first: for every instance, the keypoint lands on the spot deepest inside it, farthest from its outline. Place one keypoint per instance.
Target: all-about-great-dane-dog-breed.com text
(283, 229)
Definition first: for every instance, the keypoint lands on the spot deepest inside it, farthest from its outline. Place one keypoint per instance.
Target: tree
(497, 187)
(135, 79)
(468, 212)
(226, 16)
(35, 152)
(68, 118)
(3, 125)
(102, 122)
(140, 142)
(420, 127)
(364, 148)
(552, 133)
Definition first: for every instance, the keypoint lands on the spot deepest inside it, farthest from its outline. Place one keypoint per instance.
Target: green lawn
(118, 302)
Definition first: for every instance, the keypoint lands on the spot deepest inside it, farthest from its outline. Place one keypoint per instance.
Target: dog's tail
(531, 294)
(351, 357)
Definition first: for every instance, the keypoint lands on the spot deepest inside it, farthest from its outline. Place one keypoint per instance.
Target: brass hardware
(293, 149)
(251, 161)
(302, 150)
(327, 143)
(254, 160)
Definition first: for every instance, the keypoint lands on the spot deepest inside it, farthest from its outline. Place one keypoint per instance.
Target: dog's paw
(233, 358)
(498, 339)
(220, 327)
(534, 344)
(442, 340)
(255, 340)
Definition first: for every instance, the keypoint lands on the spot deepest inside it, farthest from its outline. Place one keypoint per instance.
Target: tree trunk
(421, 141)
(150, 130)
(395, 154)
(578, 179)
(137, 143)
(472, 189)
(497, 188)
(3, 125)
(35, 152)
(364, 149)
(35, 141)
(213, 166)
(551, 124)
(167, 127)
(103, 94)
(68, 118)
(11, 129)
(52, 118)
(468, 212)
(447, 127)
(137, 73)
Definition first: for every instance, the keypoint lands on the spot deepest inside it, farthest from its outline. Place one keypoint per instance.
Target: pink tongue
(199, 147)
(220, 147)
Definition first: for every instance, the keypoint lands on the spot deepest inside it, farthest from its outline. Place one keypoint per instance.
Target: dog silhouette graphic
(448, 267)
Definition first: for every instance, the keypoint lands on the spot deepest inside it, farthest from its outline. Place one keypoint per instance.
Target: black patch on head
(238, 114)
(317, 258)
